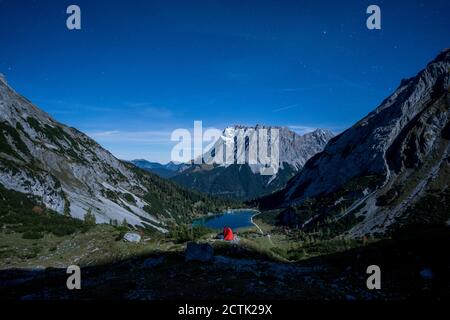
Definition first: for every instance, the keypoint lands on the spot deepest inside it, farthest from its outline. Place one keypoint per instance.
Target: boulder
(132, 237)
(199, 252)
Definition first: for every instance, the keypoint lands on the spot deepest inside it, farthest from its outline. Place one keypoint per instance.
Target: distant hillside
(72, 174)
(168, 170)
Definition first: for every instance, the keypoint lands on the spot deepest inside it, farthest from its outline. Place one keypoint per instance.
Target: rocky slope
(72, 174)
(383, 169)
(244, 181)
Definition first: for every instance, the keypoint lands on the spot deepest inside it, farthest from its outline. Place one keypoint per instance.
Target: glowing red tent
(228, 234)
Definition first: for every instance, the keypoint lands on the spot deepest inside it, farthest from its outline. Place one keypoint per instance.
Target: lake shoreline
(210, 214)
(234, 223)
(257, 227)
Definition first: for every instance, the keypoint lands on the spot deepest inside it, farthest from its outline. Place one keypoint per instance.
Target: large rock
(199, 252)
(132, 237)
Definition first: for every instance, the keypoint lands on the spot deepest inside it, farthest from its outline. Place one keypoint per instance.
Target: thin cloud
(143, 109)
(106, 133)
(300, 89)
(149, 110)
(116, 136)
(286, 108)
(56, 106)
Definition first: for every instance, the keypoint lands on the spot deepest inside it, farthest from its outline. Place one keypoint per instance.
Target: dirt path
(253, 222)
(260, 230)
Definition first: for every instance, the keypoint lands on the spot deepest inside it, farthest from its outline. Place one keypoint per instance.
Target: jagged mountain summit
(243, 180)
(391, 167)
(72, 174)
(294, 149)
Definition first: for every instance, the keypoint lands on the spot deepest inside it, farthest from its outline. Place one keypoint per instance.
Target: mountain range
(167, 170)
(390, 169)
(244, 181)
(377, 193)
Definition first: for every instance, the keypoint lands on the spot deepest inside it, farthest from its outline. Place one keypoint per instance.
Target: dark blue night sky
(139, 69)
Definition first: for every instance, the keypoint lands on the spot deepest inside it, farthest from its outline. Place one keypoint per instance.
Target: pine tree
(89, 217)
(66, 207)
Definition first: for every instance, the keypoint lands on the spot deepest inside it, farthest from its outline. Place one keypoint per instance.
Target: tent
(228, 234)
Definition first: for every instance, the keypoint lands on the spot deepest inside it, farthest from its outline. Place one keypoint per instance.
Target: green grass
(33, 235)
(101, 244)
(294, 244)
(185, 233)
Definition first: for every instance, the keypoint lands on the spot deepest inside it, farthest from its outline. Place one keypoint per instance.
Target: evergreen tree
(66, 207)
(89, 217)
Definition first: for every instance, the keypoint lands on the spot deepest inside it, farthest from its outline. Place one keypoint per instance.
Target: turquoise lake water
(233, 219)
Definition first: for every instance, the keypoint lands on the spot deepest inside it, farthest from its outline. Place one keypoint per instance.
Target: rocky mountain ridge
(244, 181)
(382, 167)
(73, 174)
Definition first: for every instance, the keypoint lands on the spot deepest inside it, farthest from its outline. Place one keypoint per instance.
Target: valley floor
(255, 268)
